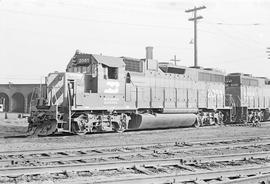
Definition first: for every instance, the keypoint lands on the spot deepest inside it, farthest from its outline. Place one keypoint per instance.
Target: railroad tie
(185, 167)
(200, 182)
(143, 170)
(224, 179)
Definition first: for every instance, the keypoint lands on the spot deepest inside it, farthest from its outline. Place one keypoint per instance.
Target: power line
(94, 20)
(238, 39)
(234, 24)
(108, 6)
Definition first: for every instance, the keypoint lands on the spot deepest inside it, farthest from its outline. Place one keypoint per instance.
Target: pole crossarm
(174, 60)
(195, 18)
(195, 9)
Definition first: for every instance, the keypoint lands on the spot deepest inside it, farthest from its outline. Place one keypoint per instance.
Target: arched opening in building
(4, 99)
(18, 103)
(31, 98)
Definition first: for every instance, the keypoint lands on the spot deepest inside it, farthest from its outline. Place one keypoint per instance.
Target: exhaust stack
(149, 52)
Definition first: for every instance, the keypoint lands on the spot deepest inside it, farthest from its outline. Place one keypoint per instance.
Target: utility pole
(268, 51)
(175, 60)
(194, 19)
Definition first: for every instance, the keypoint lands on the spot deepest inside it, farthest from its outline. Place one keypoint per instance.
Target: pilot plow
(42, 128)
(41, 124)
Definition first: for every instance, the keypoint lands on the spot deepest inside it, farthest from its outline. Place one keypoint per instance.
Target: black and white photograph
(135, 92)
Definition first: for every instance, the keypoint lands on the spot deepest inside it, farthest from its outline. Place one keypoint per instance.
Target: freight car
(103, 93)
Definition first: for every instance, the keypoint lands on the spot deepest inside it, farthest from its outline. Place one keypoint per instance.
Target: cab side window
(112, 73)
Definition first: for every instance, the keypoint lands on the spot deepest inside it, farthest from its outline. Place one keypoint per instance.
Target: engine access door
(128, 88)
(71, 92)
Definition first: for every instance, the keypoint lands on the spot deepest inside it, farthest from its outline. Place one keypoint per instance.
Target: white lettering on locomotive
(111, 101)
(112, 87)
(214, 93)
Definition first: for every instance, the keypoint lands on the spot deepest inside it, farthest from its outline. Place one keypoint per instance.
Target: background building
(17, 97)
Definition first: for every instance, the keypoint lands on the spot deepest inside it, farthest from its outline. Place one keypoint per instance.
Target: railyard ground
(13, 129)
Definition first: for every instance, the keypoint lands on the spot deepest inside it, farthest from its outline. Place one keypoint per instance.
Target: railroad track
(168, 148)
(247, 175)
(164, 151)
(202, 142)
(204, 168)
(148, 161)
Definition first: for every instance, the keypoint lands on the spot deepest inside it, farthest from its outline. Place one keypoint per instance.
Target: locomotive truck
(103, 93)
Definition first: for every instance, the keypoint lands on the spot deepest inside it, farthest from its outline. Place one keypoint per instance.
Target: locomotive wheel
(197, 123)
(96, 129)
(81, 122)
(118, 127)
(82, 133)
(76, 129)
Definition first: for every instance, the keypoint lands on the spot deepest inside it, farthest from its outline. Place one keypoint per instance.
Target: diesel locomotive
(251, 97)
(103, 93)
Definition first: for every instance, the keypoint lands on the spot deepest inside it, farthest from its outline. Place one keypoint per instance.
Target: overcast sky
(38, 36)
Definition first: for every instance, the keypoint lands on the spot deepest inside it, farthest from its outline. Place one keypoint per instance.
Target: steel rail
(202, 141)
(120, 154)
(198, 177)
(171, 143)
(15, 171)
(259, 178)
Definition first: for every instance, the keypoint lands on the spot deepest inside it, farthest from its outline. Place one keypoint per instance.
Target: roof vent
(248, 75)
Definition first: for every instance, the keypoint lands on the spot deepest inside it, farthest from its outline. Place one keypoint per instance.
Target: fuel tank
(153, 121)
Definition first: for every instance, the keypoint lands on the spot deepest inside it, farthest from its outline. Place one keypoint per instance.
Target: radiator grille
(133, 65)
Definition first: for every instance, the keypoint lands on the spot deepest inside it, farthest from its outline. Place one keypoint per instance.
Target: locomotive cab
(102, 84)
